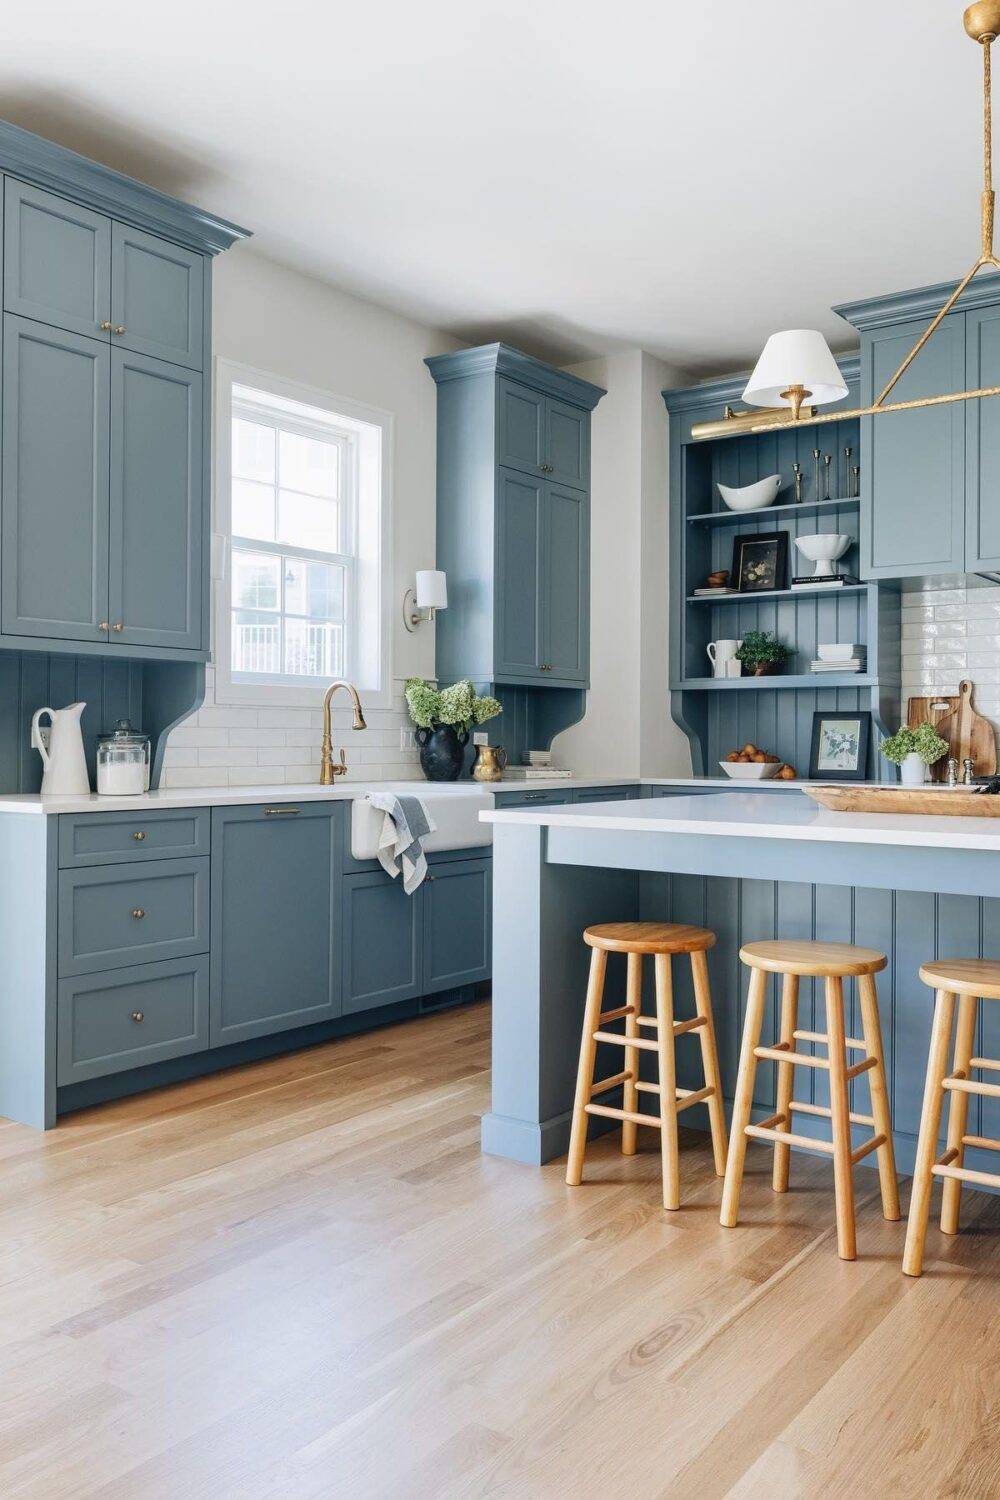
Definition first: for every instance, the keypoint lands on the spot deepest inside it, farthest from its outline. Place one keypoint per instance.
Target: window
(302, 489)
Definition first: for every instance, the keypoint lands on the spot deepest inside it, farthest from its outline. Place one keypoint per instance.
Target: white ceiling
(573, 176)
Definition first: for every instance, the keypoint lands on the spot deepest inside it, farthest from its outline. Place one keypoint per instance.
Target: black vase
(442, 751)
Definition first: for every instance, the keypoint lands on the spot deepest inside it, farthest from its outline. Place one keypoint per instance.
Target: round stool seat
(648, 937)
(964, 976)
(816, 960)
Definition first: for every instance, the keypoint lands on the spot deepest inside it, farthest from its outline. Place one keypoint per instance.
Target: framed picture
(840, 746)
(760, 562)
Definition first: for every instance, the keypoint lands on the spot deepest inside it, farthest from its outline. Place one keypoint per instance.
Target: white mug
(719, 654)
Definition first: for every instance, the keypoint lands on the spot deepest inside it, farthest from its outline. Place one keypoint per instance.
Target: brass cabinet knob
(119, 328)
(118, 626)
(139, 836)
(138, 912)
(104, 625)
(137, 1015)
(106, 326)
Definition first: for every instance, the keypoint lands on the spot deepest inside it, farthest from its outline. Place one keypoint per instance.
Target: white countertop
(755, 814)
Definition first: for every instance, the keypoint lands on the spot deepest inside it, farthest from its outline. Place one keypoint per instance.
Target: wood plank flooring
(301, 1279)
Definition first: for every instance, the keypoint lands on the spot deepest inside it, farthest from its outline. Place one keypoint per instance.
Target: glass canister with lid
(122, 762)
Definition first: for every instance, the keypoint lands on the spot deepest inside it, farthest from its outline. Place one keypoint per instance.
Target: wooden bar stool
(833, 962)
(968, 980)
(662, 940)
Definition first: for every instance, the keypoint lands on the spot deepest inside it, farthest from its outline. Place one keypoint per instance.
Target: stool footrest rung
(784, 1054)
(943, 1168)
(767, 1132)
(827, 1113)
(615, 1015)
(861, 1067)
(992, 1064)
(983, 1142)
(867, 1147)
(682, 1027)
(693, 1096)
(610, 1113)
(971, 1086)
(821, 1036)
(614, 1082)
(619, 1039)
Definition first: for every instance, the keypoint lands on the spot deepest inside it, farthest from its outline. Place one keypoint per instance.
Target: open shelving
(773, 711)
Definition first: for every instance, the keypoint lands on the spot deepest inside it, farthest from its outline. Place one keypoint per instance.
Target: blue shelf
(807, 508)
(753, 597)
(816, 680)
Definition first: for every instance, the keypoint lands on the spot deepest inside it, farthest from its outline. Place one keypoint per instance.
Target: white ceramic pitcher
(65, 773)
(720, 654)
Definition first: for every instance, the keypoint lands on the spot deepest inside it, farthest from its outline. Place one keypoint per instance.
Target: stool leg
(668, 1082)
(786, 1077)
(744, 1098)
(710, 1059)
(633, 997)
(872, 1032)
(930, 1124)
(958, 1111)
(841, 1119)
(585, 1071)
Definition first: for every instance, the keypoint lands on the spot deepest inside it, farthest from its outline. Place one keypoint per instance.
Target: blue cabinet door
(518, 586)
(54, 565)
(157, 297)
(913, 462)
(521, 433)
(982, 511)
(382, 931)
(457, 915)
(156, 503)
(566, 584)
(274, 952)
(57, 261)
(567, 443)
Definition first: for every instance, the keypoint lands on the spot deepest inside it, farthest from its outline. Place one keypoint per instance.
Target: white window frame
(370, 572)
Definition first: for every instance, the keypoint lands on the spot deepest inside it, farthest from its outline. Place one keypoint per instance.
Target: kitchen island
(750, 866)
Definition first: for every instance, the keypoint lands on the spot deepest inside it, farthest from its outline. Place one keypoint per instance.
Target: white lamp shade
(432, 589)
(799, 356)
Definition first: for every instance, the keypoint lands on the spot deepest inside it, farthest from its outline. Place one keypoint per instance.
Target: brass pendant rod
(770, 421)
(929, 332)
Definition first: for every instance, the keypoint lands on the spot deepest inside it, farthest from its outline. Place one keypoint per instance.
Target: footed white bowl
(751, 496)
(750, 770)
(823, 549)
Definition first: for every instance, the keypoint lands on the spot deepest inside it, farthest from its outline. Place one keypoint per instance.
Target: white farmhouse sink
(454, 808)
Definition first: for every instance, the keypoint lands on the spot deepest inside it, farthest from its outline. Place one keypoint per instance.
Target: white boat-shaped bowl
(750, 770)
(751, 496)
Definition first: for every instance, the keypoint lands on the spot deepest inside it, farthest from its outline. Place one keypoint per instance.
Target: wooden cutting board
(968, 733)
(940, 801)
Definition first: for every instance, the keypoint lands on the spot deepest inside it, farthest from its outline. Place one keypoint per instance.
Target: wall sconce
(431, 595)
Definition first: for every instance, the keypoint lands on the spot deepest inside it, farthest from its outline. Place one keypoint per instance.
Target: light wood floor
(302, 1279)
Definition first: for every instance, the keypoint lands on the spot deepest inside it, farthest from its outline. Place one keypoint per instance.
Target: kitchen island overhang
(749, 866)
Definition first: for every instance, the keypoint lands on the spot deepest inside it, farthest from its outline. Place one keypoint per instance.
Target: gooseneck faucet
(330, 769)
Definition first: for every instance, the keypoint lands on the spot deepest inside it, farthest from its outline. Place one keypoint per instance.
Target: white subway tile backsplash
(192, 735)
(231, 755)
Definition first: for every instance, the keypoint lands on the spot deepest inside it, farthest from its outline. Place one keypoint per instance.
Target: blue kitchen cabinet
(113, 1022)
(56, 425)
(513, 526)
(156, 503)
(382, 941)
(57, 261)
(982, 419)
(275, 947)
(157, 297)
(114, 915)
(457, 923)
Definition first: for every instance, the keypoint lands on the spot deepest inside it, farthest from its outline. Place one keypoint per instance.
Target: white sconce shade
(432, 589)
(798, 357)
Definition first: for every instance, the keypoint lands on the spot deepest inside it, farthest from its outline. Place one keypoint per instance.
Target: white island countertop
(758, 815)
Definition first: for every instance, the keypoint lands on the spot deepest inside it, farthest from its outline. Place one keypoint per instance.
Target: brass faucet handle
(340, 766)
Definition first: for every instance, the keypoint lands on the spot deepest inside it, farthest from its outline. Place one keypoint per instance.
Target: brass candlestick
(827, 461)
(856, 481)
(797, 471)
(847, 471)
(816, 458)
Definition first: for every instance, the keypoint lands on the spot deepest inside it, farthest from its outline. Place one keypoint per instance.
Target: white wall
(627, 730)
(277, 320)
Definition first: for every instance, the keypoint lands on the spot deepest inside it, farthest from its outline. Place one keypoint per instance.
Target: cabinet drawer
(533, 799)
(114, 838)
(111, 1022)
(111, 916)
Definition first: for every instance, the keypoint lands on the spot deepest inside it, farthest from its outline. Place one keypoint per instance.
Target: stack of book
(536, 773)
(834, 581)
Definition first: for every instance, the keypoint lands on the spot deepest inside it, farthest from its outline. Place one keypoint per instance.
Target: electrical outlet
(406, 740)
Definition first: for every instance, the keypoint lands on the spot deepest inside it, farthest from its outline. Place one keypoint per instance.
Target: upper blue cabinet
(929, 476)
(513, 518)
(105, 407)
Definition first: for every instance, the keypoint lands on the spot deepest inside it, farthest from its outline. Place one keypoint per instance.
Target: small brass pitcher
(490, 763)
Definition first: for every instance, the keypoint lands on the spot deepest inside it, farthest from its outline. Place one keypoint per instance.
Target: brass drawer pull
(106, 326)
(118, 328)
(118, 626)
(281, 812)
(138, 912)
(139, 836)
(137, 1015)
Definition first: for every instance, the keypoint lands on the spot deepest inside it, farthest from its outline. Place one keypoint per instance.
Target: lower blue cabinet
(457, 923)
(381, 926)
(275, 948)
(112, 915)
(143, 1014)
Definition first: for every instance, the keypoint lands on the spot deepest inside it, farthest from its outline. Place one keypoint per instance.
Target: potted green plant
(913, 750)
(445, 717)
(761, 653)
